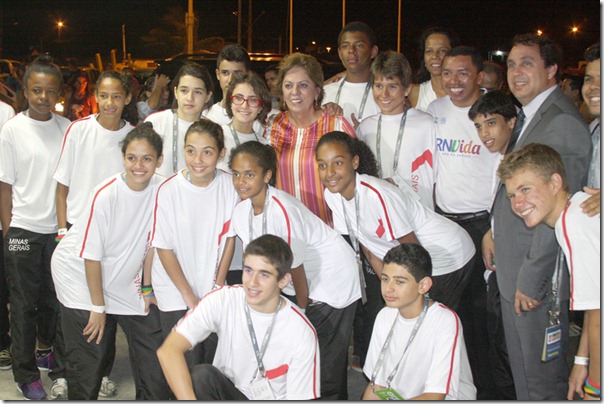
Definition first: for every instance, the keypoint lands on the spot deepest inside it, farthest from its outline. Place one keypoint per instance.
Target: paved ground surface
(122, 376)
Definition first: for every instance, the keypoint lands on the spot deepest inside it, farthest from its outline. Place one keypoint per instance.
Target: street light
(59, 26)
(574, 30)
(539, 32)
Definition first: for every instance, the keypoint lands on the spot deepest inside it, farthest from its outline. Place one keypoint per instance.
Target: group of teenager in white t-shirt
(152, 221)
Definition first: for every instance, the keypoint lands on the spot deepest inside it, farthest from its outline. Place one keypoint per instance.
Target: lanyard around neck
(363, 100)
(352, 234)
(236, 136)
(259, 352)
(399, 141)
(264, 220)
(380, 360)
(175, 143)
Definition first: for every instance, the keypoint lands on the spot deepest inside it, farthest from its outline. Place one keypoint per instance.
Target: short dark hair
(592, 53)
(392, 64)
(265, 155)
(575, 82)
(234, 53)
(272, 68)
(467, 51)
(143, 130)
(550, 52)
(491, 103)
(358, 26)
(412, 256)
(43, 64)
(423, 74)
(275, 250)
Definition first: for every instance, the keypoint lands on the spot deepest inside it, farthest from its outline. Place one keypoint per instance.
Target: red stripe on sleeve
(314, 371)
(383, 206)
(155, 207)
(91, 213)
(454, 346)
(570, 256)
(289, 227)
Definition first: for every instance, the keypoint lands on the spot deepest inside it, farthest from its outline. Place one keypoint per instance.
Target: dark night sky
(95, 26)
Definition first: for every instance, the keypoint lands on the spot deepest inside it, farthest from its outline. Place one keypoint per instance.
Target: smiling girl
(30, 144)
(91, 150)
(380, 216)
(192, 216)
(248, 103)
(193, 88)
(324, 271)
(98, 272)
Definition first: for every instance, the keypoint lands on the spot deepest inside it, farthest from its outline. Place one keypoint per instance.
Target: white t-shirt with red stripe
(90, 154)
(417, 156)
(436, 361)
(29, 152)
(193, 222)
(388, 213)
(329, 261)
(291, 359)
(579, 237)
(163, 124)
(114, 229)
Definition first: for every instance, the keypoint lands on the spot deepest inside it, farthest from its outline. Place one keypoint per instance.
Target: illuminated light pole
(539, 32)
(574, 30)
(59, 26)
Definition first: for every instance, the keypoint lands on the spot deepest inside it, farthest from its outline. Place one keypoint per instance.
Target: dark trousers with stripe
(86, 362)
(33, 305)
(4, 320)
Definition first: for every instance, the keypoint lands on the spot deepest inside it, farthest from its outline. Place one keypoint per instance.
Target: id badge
(261, 389)
(388, 394)
(552, 344)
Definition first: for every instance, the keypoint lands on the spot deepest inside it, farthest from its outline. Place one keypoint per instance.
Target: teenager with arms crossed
(99, 277)
(192, 217)
(417, 351)
(325, 275)
(286, 367)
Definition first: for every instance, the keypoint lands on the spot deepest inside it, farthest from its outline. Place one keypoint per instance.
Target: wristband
(97, 309)
(581, 360)
(62, 231)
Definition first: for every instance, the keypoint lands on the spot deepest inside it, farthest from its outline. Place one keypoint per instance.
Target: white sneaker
(58, 389)
(108, 387)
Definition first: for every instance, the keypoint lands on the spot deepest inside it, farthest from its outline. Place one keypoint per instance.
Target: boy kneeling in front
(417, 349)
(267, 349)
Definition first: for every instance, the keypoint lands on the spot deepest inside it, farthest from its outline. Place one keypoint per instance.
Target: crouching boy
(535, 183)
(267, 349)
(417, 349)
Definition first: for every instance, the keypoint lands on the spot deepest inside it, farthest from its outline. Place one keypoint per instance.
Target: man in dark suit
(525, 258)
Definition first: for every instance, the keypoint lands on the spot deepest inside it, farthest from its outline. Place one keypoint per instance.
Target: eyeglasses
(253, 102)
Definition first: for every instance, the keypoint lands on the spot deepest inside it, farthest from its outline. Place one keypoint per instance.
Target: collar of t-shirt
(531, 108)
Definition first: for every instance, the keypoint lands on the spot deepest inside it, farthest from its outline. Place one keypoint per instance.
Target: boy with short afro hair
(246, 317)
(535, 182)
(436, 364)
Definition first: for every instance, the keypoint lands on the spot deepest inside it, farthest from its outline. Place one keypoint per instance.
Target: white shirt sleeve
(97, 229)
(66, 160)
(163, 231)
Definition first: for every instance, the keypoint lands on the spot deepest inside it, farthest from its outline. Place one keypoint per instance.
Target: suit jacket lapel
(549, 101)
